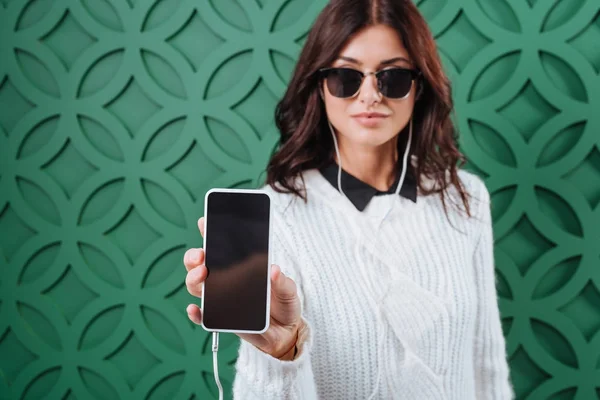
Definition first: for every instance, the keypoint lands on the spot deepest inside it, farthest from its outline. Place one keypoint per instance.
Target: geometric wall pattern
(116, 116)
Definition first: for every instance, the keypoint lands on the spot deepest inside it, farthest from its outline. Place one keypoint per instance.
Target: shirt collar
(360, 193)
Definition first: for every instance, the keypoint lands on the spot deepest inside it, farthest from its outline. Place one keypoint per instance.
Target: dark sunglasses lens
(394, 83)
(343, 82)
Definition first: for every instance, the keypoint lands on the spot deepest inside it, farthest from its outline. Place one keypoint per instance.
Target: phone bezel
(206, 231)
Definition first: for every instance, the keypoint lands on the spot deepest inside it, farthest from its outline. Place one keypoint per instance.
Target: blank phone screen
(237, 259)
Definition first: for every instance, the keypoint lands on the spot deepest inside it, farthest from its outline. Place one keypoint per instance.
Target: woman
(384, 279)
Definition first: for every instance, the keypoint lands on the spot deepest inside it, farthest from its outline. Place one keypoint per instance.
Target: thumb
(283, 288)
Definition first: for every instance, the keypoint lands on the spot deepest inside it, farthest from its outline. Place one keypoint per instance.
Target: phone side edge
(269, 262)
(204, 248)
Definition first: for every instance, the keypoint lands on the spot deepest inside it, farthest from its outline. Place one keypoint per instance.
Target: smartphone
(237, 233)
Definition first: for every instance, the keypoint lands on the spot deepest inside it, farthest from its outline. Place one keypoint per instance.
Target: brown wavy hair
(301, 118)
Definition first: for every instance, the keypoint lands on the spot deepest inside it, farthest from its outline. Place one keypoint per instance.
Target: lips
(369, 120)
(370, 115)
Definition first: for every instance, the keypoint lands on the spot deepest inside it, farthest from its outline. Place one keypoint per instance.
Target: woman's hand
(280, 338)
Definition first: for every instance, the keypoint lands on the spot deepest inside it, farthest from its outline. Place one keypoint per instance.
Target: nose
(369, 92)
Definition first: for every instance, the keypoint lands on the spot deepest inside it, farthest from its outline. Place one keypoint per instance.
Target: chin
(371, 136)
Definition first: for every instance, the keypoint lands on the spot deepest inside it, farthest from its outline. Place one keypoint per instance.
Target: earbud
(419, 90)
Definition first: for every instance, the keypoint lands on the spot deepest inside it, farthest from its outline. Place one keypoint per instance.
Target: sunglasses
(393, 83)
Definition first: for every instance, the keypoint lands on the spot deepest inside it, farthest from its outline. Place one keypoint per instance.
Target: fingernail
(195, 256)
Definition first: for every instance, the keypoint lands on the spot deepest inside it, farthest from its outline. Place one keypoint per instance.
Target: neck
(375, 166)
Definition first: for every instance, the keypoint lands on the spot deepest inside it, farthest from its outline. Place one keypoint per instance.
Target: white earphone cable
(381, 327)
(215, 349)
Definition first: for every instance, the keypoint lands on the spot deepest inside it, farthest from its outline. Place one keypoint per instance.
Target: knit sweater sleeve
(491, 368)
(260, 376)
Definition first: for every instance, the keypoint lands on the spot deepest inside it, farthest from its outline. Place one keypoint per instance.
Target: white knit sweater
(415, 303)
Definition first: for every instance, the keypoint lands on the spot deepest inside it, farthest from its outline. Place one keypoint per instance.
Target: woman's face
(372, 49)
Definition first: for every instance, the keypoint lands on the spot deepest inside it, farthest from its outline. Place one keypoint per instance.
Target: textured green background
(116, 116)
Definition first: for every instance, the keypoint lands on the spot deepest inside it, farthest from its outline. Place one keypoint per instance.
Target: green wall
(116, 116)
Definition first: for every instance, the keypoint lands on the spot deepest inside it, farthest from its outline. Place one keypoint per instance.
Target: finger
(201, 225)
(194, 314)
(275, 272)
(194, 280)
(283, 288)
(193, 258)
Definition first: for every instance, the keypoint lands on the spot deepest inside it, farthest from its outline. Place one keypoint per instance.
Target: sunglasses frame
(415, 75)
